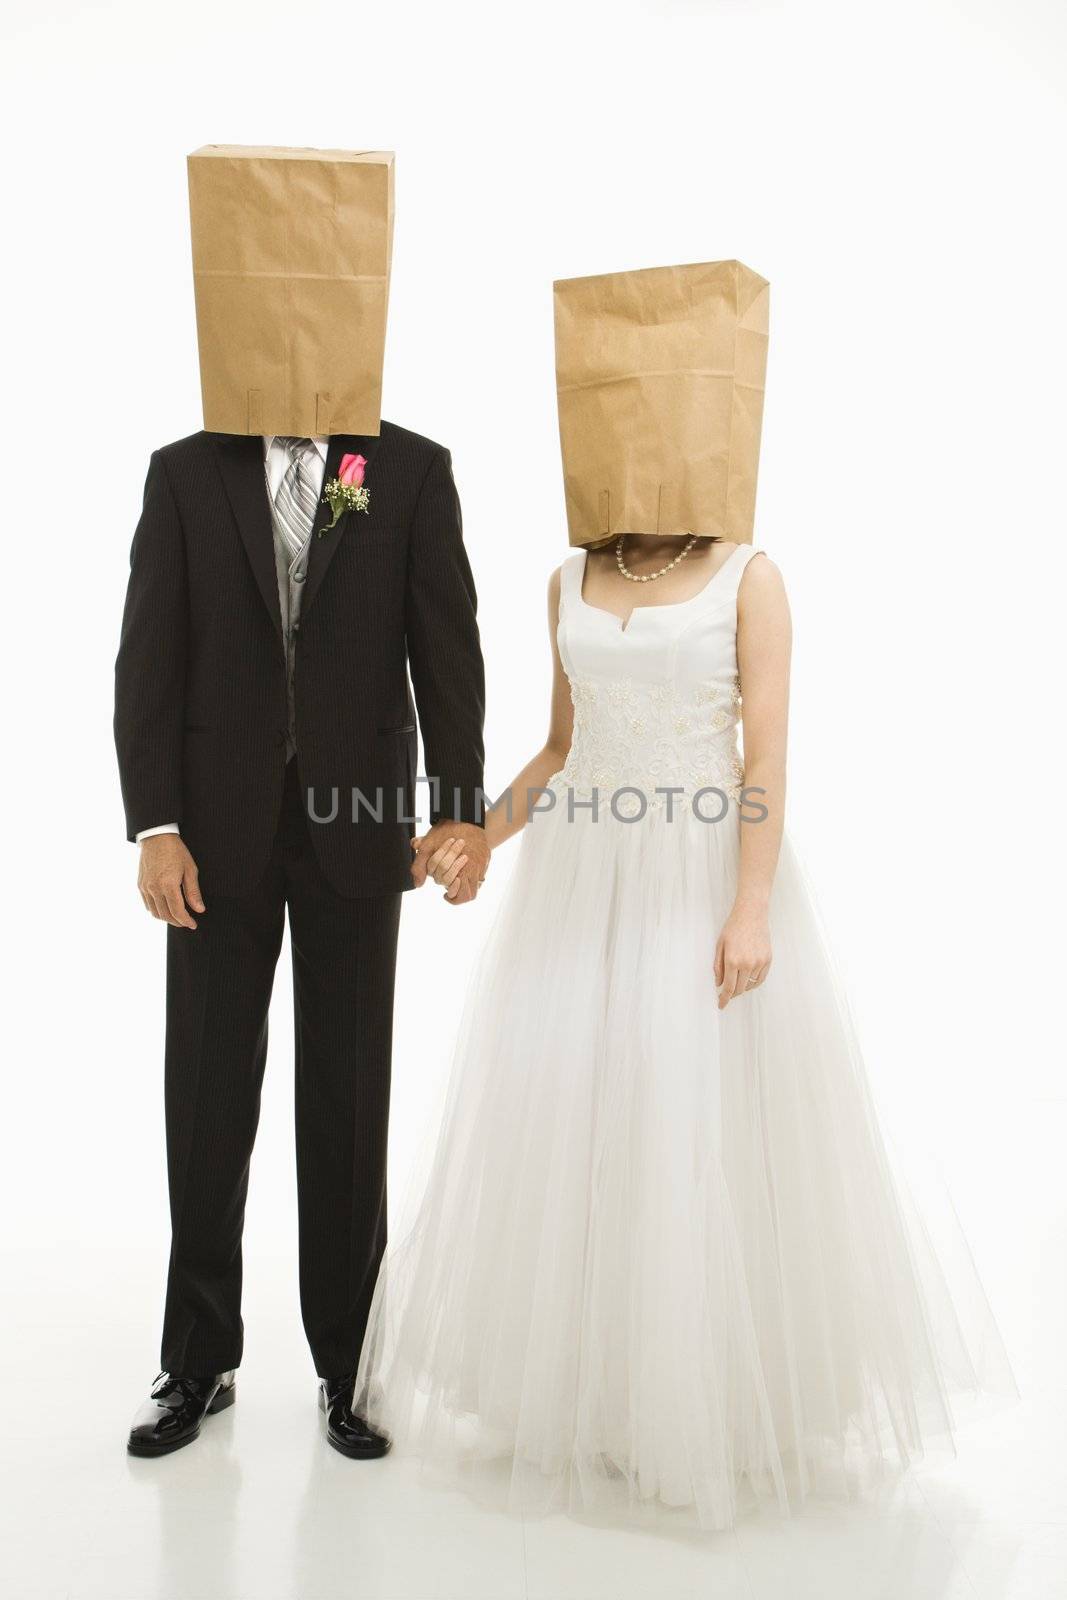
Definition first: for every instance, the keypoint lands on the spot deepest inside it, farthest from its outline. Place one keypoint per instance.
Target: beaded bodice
(657, 702)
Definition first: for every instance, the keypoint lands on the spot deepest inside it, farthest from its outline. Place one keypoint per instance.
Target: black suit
(201, 710)
(200, 724)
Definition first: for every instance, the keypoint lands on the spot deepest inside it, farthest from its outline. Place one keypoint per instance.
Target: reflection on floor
(260, 1509)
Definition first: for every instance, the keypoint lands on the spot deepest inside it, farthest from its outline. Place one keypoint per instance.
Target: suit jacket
(200, 680)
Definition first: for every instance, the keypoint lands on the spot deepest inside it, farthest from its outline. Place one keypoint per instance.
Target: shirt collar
(269, 439)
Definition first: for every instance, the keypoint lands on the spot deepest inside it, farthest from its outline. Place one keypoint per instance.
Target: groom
(266, 741)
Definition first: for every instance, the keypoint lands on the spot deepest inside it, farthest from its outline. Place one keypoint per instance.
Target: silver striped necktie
(296, 501)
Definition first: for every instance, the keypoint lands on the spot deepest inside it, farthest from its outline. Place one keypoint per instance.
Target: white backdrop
(895, 171)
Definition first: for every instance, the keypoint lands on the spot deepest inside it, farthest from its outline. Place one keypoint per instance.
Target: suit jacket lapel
(323, 549)
(241, 464)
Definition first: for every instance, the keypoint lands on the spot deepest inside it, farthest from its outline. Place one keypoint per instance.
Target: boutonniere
(346, 491)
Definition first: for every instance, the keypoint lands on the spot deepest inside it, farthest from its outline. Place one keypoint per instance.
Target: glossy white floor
(260, 1509)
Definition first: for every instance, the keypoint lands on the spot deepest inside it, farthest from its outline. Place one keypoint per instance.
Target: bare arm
(506, 819)
(527, 783)
(445, 862)
(764, 640)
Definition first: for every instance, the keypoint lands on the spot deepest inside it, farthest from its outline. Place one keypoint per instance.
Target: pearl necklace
(650, 577)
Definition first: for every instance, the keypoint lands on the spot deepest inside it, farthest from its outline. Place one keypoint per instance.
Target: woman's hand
(743, 954)
(445, 864)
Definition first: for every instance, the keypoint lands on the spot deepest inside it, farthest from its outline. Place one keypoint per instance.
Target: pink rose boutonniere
(346, 491)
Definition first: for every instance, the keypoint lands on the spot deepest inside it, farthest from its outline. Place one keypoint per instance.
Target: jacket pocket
(403, 727)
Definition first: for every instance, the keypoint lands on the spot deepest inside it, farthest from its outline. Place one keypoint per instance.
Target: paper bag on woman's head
(659, 377)
(291, 256)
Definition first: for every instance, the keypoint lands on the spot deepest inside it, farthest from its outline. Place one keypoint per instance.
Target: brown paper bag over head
(291, 256)
(660, 377)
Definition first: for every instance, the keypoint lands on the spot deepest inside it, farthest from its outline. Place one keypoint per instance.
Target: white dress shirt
(276, 462)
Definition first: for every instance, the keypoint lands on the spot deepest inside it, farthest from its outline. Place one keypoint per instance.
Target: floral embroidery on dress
(630, 735)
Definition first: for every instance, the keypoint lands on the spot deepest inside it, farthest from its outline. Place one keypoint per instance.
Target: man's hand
(454, 854)
(168, 881)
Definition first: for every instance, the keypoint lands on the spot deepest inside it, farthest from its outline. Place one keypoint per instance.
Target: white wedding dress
(660, 1258)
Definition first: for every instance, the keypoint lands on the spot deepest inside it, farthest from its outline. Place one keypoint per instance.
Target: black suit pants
(219, 981)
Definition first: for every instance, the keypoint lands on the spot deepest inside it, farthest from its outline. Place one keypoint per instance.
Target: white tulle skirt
(661, 1260)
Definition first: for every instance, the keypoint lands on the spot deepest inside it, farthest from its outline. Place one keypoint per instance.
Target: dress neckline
(668, 605)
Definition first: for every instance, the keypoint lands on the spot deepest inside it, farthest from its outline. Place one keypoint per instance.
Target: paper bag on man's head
(291, 256)
(660, 377)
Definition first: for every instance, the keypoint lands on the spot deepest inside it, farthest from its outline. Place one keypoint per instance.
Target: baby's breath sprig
(342, 497)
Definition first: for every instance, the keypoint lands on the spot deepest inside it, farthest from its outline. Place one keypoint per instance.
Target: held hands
(743, 954)
(455, 855)
(168, 881)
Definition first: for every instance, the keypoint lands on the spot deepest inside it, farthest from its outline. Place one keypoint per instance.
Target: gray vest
(291, 579)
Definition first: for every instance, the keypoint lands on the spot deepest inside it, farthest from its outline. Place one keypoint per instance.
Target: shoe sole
(222, 1402)
(353, 1452)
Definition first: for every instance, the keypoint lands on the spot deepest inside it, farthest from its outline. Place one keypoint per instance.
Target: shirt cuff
(164, 827)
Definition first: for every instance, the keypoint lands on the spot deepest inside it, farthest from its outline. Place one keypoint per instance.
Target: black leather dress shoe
(172, 1415)
(344, 1430)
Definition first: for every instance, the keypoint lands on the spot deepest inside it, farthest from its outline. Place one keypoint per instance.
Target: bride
(660, 1256)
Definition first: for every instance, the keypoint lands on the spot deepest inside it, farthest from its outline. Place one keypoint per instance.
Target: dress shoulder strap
(727, 580)
(570, 580)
